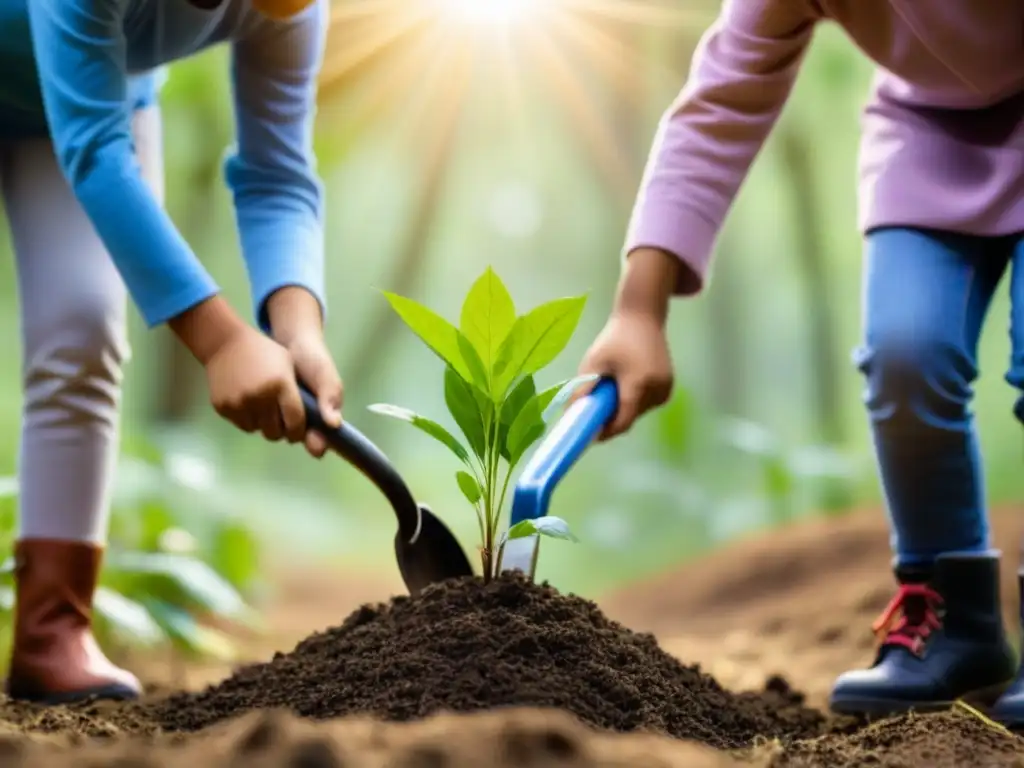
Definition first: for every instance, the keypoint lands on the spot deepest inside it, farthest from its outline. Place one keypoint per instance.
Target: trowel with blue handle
(554, 457)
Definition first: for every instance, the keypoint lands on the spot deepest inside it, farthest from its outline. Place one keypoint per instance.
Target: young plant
(490, 361)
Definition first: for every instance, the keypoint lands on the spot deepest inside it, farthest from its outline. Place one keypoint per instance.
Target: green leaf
(487, 409)
(522, 443)
(552, 527)
(127, 617)
(438, 334)
(532, 415)
(675, 426)
(520, 530)
(464, 406)
(553, 399)
(527, 428)
(478, 375)
(518, 399)
(188, 634)
(183, 581)
(6, 599)
(488, 315)
(154, 518)
(469, 487)
(432, 428)
(778, 479)
(8, 522)
(535, 340)
(236, 554)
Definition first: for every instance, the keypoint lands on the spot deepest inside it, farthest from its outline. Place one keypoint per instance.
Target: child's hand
(633, 350)
(315, 367)
(295, 317)
(252, 385)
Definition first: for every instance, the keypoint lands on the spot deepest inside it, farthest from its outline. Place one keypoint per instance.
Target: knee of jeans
(73, 360)
(923, 383)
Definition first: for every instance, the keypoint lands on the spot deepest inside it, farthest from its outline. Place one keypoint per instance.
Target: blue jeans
(926, 295)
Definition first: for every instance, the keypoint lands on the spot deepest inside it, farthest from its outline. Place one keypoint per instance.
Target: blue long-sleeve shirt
(76, 69)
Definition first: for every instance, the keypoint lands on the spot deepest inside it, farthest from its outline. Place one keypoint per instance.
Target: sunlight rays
(419, 60)
(491, 12)
(354, 46)
(587, 121)
(367, 34)
(640, 12)
(614, 60)
(351, 10)
(391, 85)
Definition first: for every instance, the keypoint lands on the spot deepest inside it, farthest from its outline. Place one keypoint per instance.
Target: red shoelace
(909, 618)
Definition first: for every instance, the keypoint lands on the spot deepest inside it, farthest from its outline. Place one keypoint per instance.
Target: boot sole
(878, 707)
(104, 693)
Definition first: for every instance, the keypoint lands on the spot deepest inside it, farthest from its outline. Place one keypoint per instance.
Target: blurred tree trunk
(726, 319)
(629, 97)
(179, 387)
(628, 108)
(610, 121)
(193, 99)
(833, 493)
(408, 267)
(812, 268)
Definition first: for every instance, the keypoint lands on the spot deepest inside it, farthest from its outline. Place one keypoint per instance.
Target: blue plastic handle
(577, 429)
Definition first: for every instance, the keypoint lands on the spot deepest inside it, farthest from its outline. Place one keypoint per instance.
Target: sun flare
(429, 58)
(490, 12)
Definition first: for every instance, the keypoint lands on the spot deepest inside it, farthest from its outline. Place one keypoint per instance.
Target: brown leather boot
(55, 658)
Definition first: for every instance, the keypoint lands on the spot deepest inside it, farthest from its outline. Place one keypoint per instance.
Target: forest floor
(749, 640)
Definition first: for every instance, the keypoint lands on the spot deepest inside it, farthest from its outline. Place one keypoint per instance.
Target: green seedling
(489, 388)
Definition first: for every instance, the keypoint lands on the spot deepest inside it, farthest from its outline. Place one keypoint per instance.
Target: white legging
(74, 340)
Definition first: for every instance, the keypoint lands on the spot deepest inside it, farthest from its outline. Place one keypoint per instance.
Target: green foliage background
(743, 446)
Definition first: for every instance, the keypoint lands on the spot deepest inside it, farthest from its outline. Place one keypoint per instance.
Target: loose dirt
(798, 601)
(957, 738)
(403, 684)
(466, 646)
(511, 739)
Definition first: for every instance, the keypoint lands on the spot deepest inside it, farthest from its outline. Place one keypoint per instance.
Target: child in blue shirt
(81, 178)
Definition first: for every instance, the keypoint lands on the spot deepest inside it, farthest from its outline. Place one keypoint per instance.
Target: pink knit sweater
(943, 132)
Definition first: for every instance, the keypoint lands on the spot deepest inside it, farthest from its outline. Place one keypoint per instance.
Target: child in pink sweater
(942, 215)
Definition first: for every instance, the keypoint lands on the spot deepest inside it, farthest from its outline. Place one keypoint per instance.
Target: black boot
(944, 640)
(1009, 710)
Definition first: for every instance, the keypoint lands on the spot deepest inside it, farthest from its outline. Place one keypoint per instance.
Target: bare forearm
(293, 312)
(206, 327)
(648, 283)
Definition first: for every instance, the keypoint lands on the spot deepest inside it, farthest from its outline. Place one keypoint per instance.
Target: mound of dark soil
(465, 646)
